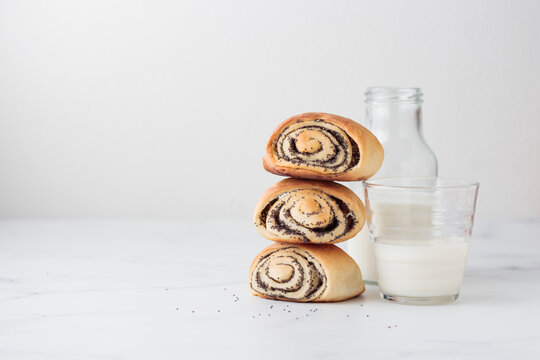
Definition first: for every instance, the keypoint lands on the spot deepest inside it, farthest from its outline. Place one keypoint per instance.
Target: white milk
(402, 219)
(361, 250)
(420, 267)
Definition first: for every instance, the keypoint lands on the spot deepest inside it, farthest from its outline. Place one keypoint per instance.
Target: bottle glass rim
(393, 94)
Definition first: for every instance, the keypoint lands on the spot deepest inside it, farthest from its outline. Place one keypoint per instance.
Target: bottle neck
(394, 115)
(396, 120)
(394, 112)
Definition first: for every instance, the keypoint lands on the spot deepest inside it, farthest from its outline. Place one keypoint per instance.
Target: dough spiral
(305, 273)
(323, 146)
(317, 144)
(308, 211)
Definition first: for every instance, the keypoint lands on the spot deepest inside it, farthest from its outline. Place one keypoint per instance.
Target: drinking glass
(420, 228)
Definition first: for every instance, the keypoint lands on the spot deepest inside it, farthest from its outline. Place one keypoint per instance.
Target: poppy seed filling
(337, 157)
(308, 283)
(282, 220)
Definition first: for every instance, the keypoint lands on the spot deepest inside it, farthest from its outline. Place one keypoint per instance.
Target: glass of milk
(420, 228)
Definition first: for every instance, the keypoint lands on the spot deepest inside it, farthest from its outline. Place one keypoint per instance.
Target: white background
(163, 108)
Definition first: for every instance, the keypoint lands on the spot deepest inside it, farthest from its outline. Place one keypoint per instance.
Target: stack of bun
(308, 213)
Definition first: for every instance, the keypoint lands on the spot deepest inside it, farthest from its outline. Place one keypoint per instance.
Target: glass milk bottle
(394, 115)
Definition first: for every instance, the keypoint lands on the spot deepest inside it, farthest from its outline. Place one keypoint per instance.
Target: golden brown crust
(343, 276)
(336, 190)
(371, 151)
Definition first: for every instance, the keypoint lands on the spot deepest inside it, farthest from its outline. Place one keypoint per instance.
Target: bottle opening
(394, 94)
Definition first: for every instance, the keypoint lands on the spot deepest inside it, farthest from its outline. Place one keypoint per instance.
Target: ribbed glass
(420, 228)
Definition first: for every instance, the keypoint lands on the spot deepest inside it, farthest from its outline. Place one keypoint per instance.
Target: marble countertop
(178, 290)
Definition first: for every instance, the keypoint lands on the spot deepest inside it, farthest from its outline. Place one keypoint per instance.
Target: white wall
(162, 109)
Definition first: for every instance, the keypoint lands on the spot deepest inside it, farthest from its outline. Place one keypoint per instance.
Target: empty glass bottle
(394, 115)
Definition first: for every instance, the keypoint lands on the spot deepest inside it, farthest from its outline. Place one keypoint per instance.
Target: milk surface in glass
(411, 258)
